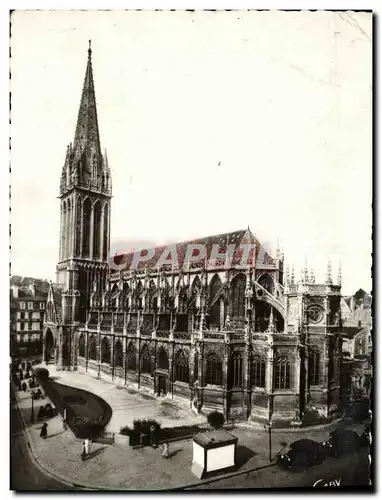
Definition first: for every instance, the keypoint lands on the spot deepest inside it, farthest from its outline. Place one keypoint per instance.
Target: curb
(83, 486)
(222, 477)
(29, 443)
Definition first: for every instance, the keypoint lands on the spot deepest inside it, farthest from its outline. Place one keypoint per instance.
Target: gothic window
(105, 351)
(181, 372)
(64, 231)
(215, 287)
(315, 314)
(131, 357)
(314, 367)
(331, 364)
(150, 296)
(235, 378)
(78, 226)
(266, 282)
(118, 354)
(282, 373)
(258, 371)
(125, 295)
(81, 346)
(68, 228)
(196, 287)
(162, 359)
(238, 297)
(86, 228)
(145, 360)
(97, 230)
(214, 375)
(93, 348)
(105, 232)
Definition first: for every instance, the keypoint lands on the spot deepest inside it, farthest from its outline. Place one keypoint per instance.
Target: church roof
(231, 238)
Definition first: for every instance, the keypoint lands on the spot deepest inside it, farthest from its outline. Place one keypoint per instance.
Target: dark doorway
(49, 346)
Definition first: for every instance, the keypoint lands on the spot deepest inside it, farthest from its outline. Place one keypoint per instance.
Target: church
(250, 341)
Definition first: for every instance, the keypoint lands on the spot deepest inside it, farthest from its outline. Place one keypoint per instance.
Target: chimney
(32, 288)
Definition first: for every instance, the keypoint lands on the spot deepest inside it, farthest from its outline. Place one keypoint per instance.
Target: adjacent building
(27, 316)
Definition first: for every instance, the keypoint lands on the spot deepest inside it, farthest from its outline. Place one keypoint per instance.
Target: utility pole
(32, 413)
(270, 439)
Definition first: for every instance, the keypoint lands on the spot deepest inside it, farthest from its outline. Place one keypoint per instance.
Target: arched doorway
(49, 346)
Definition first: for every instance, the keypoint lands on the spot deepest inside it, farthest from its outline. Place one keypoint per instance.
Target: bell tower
(85, 197)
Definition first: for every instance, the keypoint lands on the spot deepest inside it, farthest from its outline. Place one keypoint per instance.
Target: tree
(359, 296)
(215, 419)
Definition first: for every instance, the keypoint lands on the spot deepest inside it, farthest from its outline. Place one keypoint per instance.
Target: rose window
(315, 314)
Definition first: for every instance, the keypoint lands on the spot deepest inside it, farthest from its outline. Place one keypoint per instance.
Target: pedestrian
(83, 454)
(87, 447)
(165, 453)
(64, 422)
(153, 436)
(44, 430)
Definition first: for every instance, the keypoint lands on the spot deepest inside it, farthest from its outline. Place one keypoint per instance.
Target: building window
(145, 360)
(282, 373)
(118, 354)
(30, 305)
(214, 374)
(22, 305)
(238, 297)
(42, 305)
(105, 351)
(22, 327)
(131, 358)
(235, 378)
(81, 346)
(314, 367)
(181, 367)
(258, 372)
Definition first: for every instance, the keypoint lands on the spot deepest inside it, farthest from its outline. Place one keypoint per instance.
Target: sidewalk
(126, 405)
(120, 467)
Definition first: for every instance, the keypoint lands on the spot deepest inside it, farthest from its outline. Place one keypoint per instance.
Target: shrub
(215, 419)
(143, 426)
(42, 374)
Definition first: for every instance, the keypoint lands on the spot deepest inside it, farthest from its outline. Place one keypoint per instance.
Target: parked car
(343, 441)
(302, 454)
(366, 436)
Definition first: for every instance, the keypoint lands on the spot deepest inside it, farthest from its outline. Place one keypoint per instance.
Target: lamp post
(32, 413)
(270, 439)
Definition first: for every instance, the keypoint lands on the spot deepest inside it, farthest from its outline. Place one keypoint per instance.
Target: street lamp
(32, 413)
(270, 439)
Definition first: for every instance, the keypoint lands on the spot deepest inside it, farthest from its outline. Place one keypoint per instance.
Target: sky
(212, 121)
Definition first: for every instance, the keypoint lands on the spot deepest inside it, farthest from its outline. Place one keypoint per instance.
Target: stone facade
(250, 342)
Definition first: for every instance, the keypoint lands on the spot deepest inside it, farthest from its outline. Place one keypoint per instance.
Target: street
(349, 470)
(25, 476)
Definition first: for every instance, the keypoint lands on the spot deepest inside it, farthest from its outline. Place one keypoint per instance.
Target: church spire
(86, 137)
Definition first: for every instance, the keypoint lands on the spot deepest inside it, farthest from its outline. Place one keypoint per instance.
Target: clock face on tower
(315, 314)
